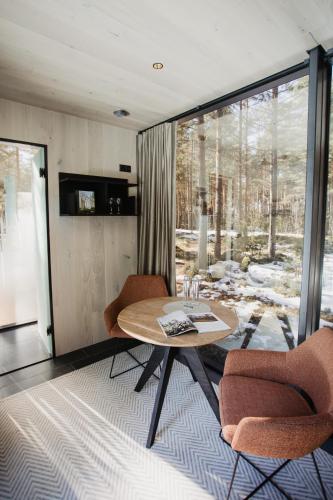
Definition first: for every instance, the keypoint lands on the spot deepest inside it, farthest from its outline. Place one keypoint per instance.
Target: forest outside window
(326, 316)
(240, 181)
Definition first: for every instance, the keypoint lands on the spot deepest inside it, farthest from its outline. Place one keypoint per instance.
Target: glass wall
(25, 313)
(17, 236)
(241, 174)
(326, 316)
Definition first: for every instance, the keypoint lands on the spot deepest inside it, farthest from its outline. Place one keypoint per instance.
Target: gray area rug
(82, 436)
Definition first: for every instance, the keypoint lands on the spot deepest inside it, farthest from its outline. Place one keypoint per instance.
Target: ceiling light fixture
(158, 65)
(120, 113)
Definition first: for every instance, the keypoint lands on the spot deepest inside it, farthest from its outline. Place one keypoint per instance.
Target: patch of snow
(261, 294)
(327, 287)
(325, 323)
(217, 270)
(265, 274)
(283, 324)
(249, 326)
(231, 265)
(189, 236)
(225, 267)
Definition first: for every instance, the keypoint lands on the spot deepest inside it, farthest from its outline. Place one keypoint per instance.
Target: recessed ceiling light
(158, 65)
(121, 112)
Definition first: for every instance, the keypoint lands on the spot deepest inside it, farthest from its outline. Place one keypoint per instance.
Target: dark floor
(51, 368)
(21, 347)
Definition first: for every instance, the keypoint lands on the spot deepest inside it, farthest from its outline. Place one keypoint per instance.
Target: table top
(139, 320)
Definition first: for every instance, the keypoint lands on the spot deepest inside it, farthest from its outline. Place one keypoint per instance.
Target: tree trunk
(240, 162)
(202, 192)
(191, 207)
(274, 177)
(219, 186)
(246, 197)
(228, 219)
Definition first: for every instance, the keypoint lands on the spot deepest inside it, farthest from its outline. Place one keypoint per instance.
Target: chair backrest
(311, 367)
(142, 286)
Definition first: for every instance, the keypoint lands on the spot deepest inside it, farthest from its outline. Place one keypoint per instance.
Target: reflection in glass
(327, 276)
(17, 236)
(240, 183)
(24, 270)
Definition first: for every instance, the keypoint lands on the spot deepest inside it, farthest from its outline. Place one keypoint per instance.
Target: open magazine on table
(177, 323)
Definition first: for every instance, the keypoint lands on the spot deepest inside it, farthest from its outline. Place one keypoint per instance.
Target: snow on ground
(263, 294)
(267, 335)
(270, 335)
(325, 323)
(327, 290)
(224, 267)
(266, 275)
(256, 284)
(262, 286)
(194, 234)
(235, 234)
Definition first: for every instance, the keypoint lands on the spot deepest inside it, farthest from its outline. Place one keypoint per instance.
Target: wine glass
(118, 202)
(111, 206)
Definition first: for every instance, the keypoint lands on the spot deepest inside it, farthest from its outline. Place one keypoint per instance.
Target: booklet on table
(177, 323)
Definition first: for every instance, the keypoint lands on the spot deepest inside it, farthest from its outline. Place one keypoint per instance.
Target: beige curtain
(157, 179)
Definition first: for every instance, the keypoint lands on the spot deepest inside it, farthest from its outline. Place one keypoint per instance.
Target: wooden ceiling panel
(91, 57)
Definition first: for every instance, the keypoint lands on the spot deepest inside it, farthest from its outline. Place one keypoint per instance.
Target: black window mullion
(316, 184)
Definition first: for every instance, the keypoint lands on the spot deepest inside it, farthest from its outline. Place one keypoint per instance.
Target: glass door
(41, 251)
(24, 273)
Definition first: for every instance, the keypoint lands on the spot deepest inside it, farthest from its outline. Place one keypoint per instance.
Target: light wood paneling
(89, 58)
(90, 257)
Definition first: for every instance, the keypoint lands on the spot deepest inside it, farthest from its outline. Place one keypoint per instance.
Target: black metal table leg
(153, 362)
(169, 356)
(191, 371)
(198, 369)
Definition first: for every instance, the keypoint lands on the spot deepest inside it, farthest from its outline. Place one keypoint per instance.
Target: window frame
(318, 68)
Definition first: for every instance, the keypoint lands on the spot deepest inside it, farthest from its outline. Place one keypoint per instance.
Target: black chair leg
(319, 476)
(141, 364)
(268, 477)
(138, 365)
(113, 358)
(233, 476)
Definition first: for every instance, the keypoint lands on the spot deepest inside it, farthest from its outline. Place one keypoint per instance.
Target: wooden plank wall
(90, 257)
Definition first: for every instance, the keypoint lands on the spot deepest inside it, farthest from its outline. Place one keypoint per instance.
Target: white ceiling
(90, 57)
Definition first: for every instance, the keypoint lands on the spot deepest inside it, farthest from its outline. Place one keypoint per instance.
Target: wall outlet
(125, 168)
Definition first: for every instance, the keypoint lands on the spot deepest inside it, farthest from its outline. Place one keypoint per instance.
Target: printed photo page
(177, 323)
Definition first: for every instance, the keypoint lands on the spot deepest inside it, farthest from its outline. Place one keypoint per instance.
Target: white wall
(90, 256)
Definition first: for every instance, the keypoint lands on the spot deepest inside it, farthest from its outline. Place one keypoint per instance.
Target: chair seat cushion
(242, 397)
(117, 332)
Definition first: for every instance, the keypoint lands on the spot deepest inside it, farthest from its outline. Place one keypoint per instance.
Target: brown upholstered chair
(136, 288)
(278, 404)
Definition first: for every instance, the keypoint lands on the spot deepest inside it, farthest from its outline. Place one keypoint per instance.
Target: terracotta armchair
(277, 404)
(136, 288)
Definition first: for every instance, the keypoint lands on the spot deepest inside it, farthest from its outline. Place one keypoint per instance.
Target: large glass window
(241, 174)
(326, 316)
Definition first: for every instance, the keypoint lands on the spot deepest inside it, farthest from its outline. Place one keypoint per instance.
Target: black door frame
(45, 149)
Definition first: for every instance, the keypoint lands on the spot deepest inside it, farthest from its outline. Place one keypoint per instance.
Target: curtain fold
(157, 219)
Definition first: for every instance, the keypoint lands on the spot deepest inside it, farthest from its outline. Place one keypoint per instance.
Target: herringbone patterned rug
(82, 436)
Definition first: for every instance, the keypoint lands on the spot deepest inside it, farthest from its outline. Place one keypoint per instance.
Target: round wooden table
(139, 320)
